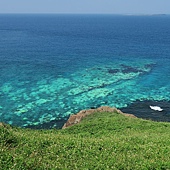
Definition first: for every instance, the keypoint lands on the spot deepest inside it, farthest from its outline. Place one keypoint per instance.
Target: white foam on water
(156, 108)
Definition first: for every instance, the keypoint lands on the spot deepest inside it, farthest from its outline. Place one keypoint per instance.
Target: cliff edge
(76, 118)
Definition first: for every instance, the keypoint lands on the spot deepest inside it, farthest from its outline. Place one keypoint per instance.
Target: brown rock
(1, 124)
(76, 118)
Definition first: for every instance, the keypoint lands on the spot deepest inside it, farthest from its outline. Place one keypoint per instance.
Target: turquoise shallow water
(55, 65)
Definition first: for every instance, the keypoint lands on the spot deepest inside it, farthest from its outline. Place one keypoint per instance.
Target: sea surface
(54, 65)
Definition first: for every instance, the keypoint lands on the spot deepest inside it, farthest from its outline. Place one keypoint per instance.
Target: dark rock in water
(93, 108)
(113, 71)
(150, 65)
(142, 109)
(128, 69)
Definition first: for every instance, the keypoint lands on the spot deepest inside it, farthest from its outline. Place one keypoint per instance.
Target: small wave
(156, 108)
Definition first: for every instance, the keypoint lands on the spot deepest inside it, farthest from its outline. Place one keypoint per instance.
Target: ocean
(55, 65)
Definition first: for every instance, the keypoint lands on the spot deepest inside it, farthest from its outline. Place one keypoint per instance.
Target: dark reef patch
(150, 65)
(113, 71)
(128, 69)
(141, 109)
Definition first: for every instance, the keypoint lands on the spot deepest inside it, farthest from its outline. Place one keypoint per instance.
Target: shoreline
(138, 109)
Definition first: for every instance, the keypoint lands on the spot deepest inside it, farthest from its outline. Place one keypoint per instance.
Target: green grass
(100, 141)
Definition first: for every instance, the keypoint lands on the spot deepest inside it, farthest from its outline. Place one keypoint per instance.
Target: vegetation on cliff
(100, 141)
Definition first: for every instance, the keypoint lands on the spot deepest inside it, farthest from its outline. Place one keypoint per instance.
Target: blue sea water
(55, 65)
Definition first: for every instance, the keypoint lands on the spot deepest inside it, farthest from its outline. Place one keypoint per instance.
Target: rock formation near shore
(1, 124)
(76, 118)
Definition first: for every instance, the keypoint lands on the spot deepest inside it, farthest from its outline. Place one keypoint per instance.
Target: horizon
(132, 7)
(127, 14)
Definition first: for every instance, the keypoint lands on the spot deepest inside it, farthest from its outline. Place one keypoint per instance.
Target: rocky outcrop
(1, 124)
(76, 118)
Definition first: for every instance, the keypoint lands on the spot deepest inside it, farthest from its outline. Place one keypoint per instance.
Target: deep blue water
(55, 65)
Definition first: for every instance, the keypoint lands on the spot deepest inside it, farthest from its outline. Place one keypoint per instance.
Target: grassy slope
(100, 141)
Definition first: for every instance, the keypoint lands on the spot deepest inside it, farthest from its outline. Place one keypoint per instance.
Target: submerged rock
(113, 71)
